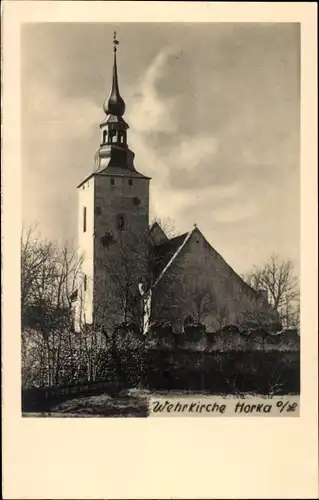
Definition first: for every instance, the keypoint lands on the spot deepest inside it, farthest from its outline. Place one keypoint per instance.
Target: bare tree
(290, 312)
(48, 281)
(124, 264)
(222, 316)
(36, 255)
(130, 273)
(278, 280)
(203, 302)
(169, 301)
(167, 225)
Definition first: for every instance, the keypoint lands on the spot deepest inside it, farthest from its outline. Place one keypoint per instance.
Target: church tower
(113, 204)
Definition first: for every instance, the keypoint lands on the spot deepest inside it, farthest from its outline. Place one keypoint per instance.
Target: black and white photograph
(159, 250)
(161, 214)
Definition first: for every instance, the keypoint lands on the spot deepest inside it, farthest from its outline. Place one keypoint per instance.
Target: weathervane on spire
(115, 42)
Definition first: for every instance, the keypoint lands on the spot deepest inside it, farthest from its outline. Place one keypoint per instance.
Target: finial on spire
(115, 42)
(114, 105)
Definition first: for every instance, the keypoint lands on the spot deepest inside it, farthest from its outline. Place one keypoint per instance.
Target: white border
(157, 458)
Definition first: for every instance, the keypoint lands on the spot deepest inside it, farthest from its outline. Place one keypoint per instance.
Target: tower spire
(115, 104)
(114, 150)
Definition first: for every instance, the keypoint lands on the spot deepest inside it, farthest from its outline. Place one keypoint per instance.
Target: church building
(133, 270)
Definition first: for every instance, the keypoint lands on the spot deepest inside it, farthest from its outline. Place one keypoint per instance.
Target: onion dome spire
(114, 154)
(114, 105)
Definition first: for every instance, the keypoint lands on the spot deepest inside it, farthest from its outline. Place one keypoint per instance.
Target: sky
(213, 110)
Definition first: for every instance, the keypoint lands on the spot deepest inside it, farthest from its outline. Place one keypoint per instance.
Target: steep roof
(157, 234)
(114, 172)
(166, 253)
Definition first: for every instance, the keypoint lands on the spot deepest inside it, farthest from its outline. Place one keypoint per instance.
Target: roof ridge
(169, 240)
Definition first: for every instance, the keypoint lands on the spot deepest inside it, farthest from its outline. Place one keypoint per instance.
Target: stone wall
(227, 361)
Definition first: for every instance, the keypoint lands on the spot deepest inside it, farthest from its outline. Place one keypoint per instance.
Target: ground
(131, 403)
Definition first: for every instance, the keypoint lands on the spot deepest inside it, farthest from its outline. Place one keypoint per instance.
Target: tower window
(130, 182)
(85, 282)
(121, 223)
(104, 136)
(111, 135)
(112, 182)
(84, 219)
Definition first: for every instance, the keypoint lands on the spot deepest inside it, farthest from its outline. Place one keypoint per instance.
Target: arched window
(121, 223)
(111, 135)
(104, 136)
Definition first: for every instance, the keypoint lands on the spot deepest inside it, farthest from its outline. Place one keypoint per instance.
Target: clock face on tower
(136, 201)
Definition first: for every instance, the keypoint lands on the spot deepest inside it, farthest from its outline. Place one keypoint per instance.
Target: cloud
(150, 114)
(67, 117)
(154, 115)
(235, 213)
(57, 131)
